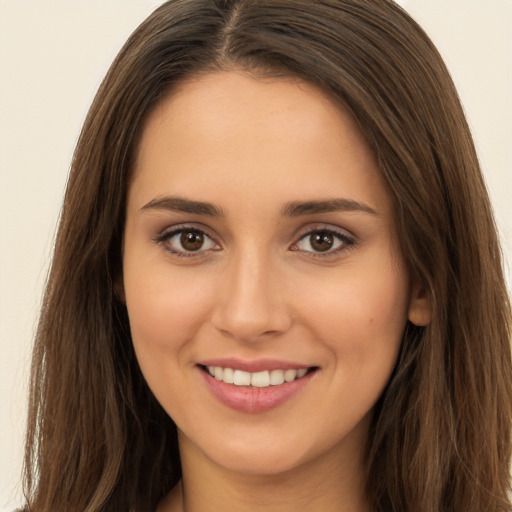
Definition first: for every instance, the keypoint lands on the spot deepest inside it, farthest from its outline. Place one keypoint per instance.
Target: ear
(420, 307)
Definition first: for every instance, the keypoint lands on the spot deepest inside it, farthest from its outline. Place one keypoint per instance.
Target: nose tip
(246, 331)
(250, 320)
(251, 306)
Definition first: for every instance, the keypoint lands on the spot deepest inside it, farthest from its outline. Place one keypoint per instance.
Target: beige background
(53, 55)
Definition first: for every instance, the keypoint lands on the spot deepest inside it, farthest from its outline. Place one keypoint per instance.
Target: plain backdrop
(53, 55)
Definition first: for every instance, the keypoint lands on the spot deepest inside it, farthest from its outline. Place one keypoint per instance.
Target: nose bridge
(250, 304)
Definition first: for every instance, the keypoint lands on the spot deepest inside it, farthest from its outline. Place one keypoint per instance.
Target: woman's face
(260, 243)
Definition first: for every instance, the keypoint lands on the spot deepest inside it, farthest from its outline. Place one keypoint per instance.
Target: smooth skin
(291, 255)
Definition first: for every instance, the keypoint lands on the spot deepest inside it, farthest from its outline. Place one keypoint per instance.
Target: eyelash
(166, 236)
(346, 242)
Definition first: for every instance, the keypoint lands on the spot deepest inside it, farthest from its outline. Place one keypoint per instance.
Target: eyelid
(348, 240)
(170, 232)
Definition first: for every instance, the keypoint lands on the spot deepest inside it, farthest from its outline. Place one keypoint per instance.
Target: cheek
(165, 309)
(361, 314)
(359, 321)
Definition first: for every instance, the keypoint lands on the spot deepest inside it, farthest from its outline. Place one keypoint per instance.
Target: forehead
(228, 132)
(222, 103)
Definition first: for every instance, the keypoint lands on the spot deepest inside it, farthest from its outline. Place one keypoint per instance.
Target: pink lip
(250, 399)
(258, 365)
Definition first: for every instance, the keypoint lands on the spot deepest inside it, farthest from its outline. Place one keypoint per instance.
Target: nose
(251, 304)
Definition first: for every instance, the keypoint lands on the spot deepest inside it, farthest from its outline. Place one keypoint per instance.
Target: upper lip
(258, 365)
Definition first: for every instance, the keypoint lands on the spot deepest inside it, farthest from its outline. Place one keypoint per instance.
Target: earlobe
(420, 306)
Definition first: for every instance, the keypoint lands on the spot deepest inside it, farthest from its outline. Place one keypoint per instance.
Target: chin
(257, 463)
(251, 455)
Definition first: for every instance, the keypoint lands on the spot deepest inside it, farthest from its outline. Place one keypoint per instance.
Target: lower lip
(252, 399)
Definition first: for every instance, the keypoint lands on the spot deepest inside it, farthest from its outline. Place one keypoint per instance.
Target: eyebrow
(293, 209)
(296, 208)
(180, 204)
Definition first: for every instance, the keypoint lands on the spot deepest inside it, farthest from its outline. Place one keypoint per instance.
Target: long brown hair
(440, 440)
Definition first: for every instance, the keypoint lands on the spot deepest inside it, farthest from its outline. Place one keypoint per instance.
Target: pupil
(191, 241)
(322, 241)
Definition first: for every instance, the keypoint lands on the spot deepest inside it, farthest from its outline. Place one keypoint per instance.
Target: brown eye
(187, 242)
(321, 241)
(192, 240)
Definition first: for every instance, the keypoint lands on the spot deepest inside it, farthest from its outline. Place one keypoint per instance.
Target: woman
(277, 282)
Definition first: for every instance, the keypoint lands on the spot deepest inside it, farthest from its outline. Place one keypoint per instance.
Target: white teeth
(276, 377)
(290, 375)
(257, 379)
(228, 375)
(260, 379)
(241, 378)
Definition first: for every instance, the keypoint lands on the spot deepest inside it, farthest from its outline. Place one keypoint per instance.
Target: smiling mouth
(261, 379)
